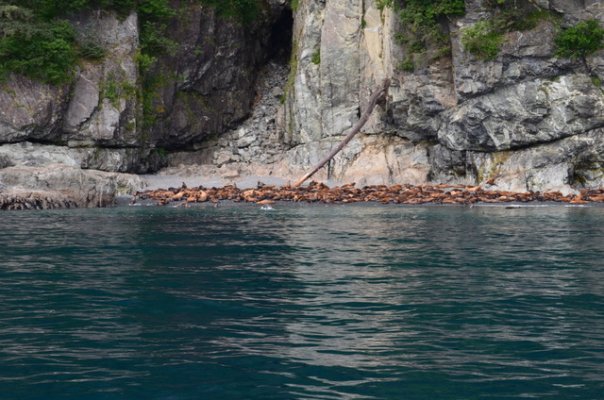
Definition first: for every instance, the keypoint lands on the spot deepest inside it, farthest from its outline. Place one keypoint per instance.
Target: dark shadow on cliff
(280, 41)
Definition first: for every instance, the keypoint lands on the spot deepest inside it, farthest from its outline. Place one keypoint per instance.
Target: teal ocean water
(302, 302)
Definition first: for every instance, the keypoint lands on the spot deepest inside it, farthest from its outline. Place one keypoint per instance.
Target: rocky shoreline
(59, 186)
(317, 192)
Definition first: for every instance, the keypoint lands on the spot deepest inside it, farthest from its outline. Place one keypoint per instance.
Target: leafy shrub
(580, 40)
(423, 27)
(421, 17)
(48, 9)
(482, 40)
(44, 51)
(145, 61)
(518, 15)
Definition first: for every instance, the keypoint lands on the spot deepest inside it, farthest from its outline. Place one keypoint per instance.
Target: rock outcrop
(61, 186)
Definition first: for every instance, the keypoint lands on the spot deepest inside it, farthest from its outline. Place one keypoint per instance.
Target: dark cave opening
(280, 40)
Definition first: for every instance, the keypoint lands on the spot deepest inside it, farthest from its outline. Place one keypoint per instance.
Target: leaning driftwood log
(373, 100)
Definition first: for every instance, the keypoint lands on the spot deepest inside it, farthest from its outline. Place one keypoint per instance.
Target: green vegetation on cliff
(37, 41)
(43, 50)
(580, 40)
(424, 31)
(421, 20)
(484, 38)
(424, 27)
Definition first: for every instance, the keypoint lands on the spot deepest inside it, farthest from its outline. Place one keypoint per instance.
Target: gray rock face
(104, 159)
(77, 187)
(35, 111)
(96, 117)
(104, 105)
(525, 102)
(532, 112)
(30, 110)
(570, 163)
(207, 87)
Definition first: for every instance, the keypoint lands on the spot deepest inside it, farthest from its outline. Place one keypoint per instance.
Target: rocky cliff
(272, 96)
(524, 120)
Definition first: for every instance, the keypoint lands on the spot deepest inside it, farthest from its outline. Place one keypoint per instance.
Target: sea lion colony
(317, 192)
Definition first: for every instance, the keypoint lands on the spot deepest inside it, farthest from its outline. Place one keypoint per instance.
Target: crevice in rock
(280, 41)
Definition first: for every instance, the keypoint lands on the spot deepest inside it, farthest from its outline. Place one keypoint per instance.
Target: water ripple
(360, 302)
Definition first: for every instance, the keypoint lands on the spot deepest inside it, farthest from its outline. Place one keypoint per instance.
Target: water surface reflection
(303, 302)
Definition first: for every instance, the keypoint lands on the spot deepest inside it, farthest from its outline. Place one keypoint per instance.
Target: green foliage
(145, 62)
(45, 51)
(424, 31)
(316, 57)
(482, 40)
(111, 91)
(518, 15)
(115, 89)
(407, 65)
(153, 16)
(49, 9)
(580, 40)
(294, 4)
(155, 10)
(35, 42)
(122, 7)
(381, 4)
(153, 39)
(150, 97)
(421, 18)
